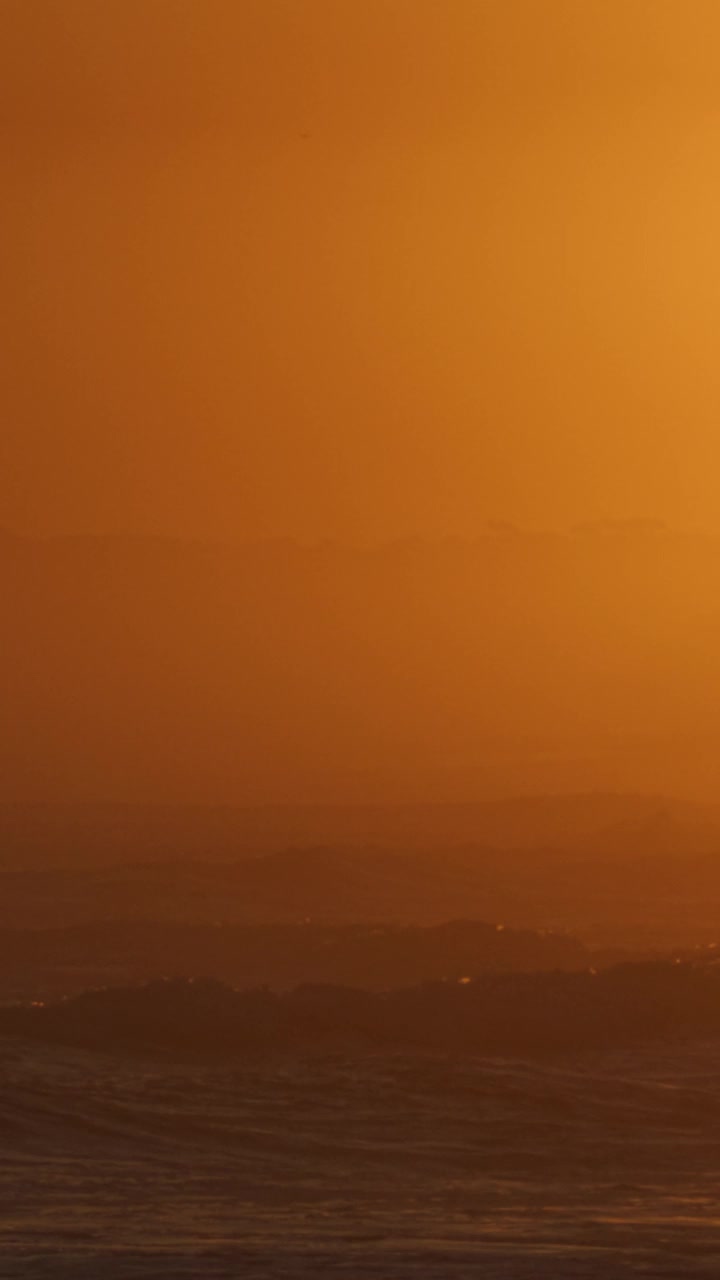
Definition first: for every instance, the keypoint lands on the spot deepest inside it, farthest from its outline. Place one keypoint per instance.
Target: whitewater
(386, 1165)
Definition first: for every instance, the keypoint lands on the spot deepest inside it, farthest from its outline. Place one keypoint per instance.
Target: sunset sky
(358, 271)
(377, 278)
(360, 638)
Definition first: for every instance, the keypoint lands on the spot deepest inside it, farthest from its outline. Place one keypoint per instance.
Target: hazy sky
(358, 268)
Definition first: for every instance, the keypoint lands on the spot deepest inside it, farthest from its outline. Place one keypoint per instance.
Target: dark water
(389, 1166)
(383, 1166)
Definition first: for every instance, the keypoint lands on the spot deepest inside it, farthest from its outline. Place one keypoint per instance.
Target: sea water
(360, 1165)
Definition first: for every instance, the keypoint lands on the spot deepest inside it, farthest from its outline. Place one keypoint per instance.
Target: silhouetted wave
(51, 963)
(494, 1014)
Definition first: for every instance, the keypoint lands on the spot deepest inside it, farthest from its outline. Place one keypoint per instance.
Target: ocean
(380, 1165)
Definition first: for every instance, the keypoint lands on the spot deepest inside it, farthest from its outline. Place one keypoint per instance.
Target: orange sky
(358, 269)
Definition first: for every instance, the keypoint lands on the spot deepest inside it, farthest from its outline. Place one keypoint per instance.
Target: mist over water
(406, 672)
